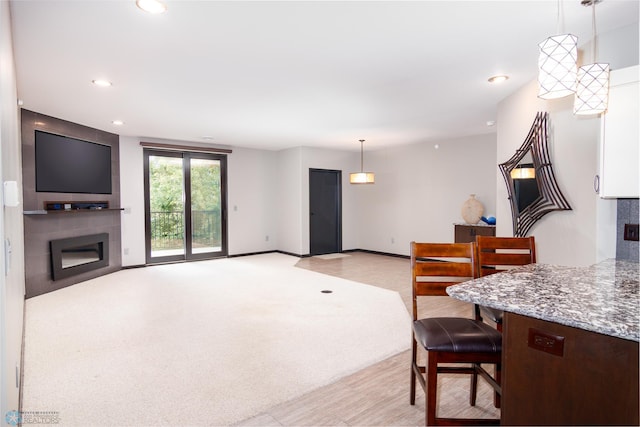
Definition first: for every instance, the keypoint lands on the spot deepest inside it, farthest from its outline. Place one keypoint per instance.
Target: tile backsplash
(628, 213)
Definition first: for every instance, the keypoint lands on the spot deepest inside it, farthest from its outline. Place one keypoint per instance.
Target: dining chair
(465, 343)
(498, 254)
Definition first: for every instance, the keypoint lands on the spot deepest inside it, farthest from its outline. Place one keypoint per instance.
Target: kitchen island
(570, 341)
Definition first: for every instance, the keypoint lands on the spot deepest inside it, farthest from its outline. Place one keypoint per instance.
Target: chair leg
(431, 401)
(412, 391)
(474, 386)
(496, 395)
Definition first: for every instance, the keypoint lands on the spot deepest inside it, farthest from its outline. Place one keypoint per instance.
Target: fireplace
(80, 254)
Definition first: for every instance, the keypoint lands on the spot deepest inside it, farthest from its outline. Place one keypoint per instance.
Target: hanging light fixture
(557, 64)
(592, 92)
(362, 177)
(523, 172)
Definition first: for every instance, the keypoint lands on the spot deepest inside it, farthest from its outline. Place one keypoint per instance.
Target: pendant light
(362, 177)
(557, 64)
(592, 92)
(523, 172)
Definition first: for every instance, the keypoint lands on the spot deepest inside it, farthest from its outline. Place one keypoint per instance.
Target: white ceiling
(275, 75)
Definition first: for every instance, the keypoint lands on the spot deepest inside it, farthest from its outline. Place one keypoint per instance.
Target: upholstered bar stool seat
(457, 335)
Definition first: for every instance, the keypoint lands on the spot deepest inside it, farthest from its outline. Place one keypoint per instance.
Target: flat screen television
(69, 165)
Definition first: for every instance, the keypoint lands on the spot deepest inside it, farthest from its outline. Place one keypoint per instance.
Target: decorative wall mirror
(531, 183)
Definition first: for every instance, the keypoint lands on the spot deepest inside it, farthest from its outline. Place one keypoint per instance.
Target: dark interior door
(325, 211)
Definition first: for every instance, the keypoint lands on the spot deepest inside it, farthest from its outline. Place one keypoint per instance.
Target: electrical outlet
(631, 232)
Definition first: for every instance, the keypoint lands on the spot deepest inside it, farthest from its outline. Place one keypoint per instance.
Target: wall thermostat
(11, 198)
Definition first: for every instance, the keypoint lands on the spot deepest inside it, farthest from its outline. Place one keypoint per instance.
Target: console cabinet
(465, 233)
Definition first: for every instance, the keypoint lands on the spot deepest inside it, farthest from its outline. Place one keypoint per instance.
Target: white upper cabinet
(620, 142)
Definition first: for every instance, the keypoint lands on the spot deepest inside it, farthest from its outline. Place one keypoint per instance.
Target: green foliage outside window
(167, 200)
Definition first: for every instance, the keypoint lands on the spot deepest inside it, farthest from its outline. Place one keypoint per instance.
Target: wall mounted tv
(69, 165)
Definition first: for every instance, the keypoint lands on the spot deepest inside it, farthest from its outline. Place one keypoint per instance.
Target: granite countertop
(602, 298)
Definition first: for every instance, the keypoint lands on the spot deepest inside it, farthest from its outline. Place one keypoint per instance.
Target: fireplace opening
(78, 255)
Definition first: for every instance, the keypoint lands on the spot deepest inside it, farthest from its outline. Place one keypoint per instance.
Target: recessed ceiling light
(151, 6)
(118, 122)
(101, 83)
(491, 123)
(208, 138)
(498, 79)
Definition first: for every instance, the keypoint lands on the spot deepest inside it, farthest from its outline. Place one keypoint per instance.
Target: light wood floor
(379, 394)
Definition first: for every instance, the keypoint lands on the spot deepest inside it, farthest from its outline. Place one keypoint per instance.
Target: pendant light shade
(523, 172)
(592, 94)
(362, 177)
(557, 64)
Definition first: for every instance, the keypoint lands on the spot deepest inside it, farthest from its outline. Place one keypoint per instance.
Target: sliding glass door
(185, 203)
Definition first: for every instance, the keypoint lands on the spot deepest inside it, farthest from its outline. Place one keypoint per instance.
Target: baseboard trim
(381, 253)
(250, 253)
(275, 251)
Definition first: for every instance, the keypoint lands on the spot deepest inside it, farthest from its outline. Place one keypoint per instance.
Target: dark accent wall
(40, 229)
(628, 213)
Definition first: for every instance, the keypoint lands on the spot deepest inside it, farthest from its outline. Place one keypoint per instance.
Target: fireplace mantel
(70, 211)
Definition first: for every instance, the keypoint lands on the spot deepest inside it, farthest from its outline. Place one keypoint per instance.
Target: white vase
(472, 210)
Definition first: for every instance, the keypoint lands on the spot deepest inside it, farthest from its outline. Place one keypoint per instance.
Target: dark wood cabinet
(559, 375)
(467, 233)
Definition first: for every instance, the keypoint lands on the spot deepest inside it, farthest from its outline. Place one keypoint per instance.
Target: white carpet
(204, 343)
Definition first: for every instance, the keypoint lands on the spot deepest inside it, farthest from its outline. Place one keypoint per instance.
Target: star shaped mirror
(531, 183)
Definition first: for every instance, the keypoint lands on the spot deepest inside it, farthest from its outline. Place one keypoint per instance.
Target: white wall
(132, 200)
(586, 234)
(11, 226)
(420, 189)
(288, 200)
(418, 195)
(252, 201)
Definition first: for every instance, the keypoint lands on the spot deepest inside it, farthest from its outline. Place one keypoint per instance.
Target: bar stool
(450, 340)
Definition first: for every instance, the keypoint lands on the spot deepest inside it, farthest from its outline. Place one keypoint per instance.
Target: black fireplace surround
(76, 255)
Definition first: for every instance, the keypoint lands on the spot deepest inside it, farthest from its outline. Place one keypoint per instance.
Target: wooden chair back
(496, 254)
(435, 266)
